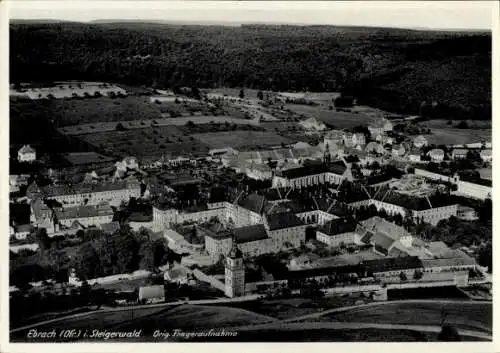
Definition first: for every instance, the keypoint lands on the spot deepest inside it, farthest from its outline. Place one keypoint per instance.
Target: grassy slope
(466, 316)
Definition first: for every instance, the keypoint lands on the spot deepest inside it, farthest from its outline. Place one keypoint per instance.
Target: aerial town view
(237, 182)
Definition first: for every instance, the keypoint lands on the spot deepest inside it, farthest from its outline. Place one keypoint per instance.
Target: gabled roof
(151, 292)
(249, 233)
(26, 149)
(393, 264)
(283, 220)
(253, 202)
(339, 226)
(381, 225)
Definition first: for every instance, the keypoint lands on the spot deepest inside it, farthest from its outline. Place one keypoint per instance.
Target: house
(91, 215)
(22, 231)
(398, 150)
(338, 232)
(436, 154)
(113, 192)
(459, 153)
(379, 126)
(26, 154)
(384, 236)
(152, 294)
(420, 141)
(467, 213)
(332, 140)
(414, 155)
(358, 139)
(384, 139)
(312, 124)
(312, 174)
(128, 163)
(486, 155)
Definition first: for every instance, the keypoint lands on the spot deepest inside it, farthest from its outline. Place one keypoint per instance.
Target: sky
(473, 15)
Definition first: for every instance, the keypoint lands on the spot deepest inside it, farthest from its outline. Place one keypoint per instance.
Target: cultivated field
(67, 112)
(454, 136)
(185, 317)
(341, 120)
(147, 142)
(92, 128)
(466, 316)
(62, 90)
(238, 139)
(444, 134)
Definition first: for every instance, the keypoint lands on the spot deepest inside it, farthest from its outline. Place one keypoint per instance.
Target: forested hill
(393, 69)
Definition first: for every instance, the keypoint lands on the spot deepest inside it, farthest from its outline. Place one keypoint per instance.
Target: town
(355, 210)
(248, 183)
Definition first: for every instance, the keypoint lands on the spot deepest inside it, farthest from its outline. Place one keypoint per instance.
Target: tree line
(400, 77)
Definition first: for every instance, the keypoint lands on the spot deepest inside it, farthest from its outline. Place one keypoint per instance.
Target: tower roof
(235, 253)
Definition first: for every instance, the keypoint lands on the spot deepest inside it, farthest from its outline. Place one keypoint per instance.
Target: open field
(341, 120)
(454, 136)
(238, 139)
(148, 142)
(62, 90)
(282, 126)
(150, 319)
(461, 315)
(92, 128)
(295, 334)
(68, 112)
(442, 133)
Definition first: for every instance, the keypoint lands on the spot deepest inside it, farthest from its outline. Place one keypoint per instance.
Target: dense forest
(433, 73)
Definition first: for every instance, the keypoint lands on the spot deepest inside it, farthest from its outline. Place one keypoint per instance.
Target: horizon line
(229, 23)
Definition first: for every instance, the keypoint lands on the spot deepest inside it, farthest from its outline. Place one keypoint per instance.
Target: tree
(120, 127)
(42, 239)
(242, 94)
(260, 95)
(418, 275)
(403, 277)
(87, 263)
(146, 254)
(449, 334)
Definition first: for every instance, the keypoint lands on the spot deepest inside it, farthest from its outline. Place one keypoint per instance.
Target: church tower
(235, 273)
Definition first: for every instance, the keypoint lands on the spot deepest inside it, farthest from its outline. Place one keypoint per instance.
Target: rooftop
(415, 203)
(379, 224)
(283, 220)
(82, 158)
(253, 202)
(150, 292)
(82, 188)
(26, 149)
(393, 264)
(249, 233)
(84, 212)
(339, 226)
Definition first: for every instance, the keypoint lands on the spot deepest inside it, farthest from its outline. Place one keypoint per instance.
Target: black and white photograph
(218, 171)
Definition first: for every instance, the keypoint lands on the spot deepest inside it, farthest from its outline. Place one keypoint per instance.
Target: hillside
(394, 69)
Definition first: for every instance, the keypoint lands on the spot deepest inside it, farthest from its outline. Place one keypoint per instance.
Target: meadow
(239, 139)
(147, 142)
